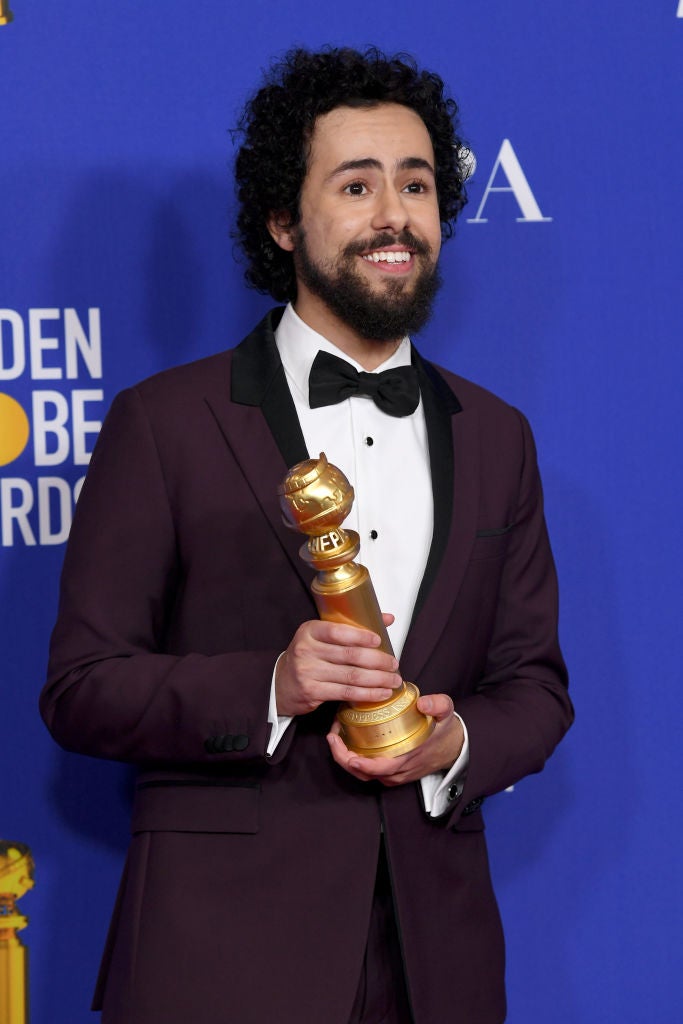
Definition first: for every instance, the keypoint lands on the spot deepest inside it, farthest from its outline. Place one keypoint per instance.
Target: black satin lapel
(258, 378)
(278, 409)
(260, 426)
(440, 404)
(454, 464)
(427, 628)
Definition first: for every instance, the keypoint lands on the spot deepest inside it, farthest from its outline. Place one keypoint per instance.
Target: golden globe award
(6, 15)
(16, 878)
(316, 498)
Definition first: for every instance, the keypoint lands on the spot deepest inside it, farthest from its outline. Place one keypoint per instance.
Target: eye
(416, 187)
(355, 188)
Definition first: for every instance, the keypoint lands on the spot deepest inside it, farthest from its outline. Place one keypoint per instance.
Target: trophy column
(16, 878)
(316, 498)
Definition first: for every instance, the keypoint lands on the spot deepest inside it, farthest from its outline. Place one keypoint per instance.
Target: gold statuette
(5, 14)
(316, 498)
(16, 878)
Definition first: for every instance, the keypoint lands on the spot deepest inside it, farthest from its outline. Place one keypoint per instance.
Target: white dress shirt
(386, 459)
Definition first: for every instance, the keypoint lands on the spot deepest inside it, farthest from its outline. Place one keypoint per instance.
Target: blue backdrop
(563, 295)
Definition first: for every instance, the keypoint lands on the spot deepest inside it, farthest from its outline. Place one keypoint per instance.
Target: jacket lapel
(453, 457)
(258, 379)
(260, 426)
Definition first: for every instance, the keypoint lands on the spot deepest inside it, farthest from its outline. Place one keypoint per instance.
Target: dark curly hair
(277, 125)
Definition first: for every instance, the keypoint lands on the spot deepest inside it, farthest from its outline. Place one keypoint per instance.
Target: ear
(280, 227)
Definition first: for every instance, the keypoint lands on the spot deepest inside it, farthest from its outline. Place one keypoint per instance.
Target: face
(366, 248)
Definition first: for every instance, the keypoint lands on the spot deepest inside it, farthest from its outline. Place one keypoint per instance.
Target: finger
(364, 768)
(354, 694)
(363, 658)
(319, 689)
(388, 618)
(328, 642)
(438, 705)
(352, 668)
(372, 767)
(389, 771)
(378, 767)
(371, 673)
(342, 635)
(343, 756)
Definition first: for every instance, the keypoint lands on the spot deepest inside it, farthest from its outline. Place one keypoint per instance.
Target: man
(274, 875)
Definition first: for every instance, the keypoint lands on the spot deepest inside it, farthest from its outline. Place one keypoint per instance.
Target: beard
(383, 314)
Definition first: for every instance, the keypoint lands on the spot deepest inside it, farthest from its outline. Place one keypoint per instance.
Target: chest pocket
(491, 543)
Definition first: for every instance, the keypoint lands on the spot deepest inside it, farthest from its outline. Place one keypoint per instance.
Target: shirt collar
(298, 345)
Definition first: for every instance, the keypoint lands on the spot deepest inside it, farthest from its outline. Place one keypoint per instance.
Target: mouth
(396, 257)
(388, 256)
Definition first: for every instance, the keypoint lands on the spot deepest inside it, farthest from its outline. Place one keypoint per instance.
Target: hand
(438, 753)
(332, 661)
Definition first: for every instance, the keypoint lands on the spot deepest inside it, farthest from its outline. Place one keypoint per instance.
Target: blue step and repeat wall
(564, 294)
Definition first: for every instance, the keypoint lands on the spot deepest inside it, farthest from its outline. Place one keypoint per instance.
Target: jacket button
(226, 744)
(240, 742)
(473, 806)
(210, 744)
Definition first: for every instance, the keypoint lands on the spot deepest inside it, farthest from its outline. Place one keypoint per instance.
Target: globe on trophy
(316, 498)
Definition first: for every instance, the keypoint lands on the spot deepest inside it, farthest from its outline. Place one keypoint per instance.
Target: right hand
(333, 661)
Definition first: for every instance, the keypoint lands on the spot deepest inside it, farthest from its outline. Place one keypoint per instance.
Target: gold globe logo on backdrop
(14, 429)
(5, 14)
(54, 356)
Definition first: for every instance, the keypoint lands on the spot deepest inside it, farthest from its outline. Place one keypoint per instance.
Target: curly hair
(277, 126)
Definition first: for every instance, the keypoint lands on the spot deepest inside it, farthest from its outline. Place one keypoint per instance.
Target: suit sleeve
(520, 708)
(112, 691)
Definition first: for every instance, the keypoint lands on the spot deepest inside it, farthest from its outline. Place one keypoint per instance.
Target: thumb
(438, 705)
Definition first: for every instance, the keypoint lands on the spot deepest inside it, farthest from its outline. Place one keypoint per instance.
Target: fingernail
(426, 703)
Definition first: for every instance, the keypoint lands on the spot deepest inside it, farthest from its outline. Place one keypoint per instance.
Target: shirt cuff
(439, 790)
(278, 723)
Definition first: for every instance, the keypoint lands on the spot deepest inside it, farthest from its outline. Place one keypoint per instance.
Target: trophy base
(388, 730)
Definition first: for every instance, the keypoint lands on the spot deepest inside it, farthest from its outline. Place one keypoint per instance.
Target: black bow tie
(331, 380)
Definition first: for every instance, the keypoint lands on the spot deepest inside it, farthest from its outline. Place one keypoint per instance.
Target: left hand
(438, 753)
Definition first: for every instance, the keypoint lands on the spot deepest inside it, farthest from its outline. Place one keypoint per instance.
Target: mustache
(384, 240)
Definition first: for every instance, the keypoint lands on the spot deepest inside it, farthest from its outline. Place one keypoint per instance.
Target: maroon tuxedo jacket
(248, 884)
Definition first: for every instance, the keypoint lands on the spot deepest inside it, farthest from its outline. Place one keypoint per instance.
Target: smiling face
(366, 247)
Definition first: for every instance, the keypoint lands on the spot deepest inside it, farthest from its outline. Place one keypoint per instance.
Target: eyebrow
(408, 163)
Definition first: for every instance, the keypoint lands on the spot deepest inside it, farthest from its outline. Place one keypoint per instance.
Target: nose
(391, 211)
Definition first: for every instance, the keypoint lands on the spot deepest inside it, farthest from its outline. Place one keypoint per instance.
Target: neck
(368, 353)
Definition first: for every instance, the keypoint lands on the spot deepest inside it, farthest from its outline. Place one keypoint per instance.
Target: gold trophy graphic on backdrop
(5, 14)
(16, 878)
(316, 498)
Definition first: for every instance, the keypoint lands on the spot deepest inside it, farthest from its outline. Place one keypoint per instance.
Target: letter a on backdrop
(517, 184)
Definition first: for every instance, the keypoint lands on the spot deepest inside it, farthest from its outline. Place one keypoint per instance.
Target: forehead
(388, 132)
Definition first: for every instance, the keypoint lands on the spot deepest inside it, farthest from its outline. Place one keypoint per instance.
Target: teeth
(387, 257)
